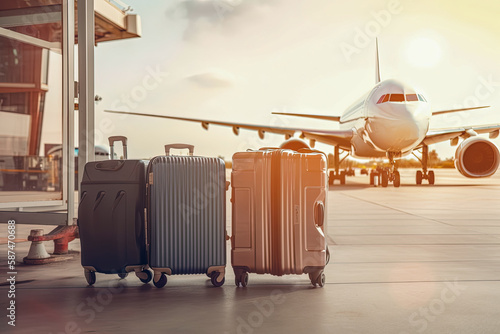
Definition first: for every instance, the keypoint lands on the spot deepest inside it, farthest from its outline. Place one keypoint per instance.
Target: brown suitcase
(279, 213)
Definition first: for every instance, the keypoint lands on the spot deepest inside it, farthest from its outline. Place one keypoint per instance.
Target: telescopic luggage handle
(112, 141)
(179, 147)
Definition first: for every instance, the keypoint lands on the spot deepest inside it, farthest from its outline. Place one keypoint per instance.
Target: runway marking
(397, 210)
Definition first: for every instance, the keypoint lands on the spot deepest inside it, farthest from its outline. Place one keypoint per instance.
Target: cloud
(213, 78)
(202, 14)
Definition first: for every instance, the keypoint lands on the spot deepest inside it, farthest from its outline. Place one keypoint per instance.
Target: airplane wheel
(385, 179)
(372, 179)
(431, 177)
(397, 179)
(330, 178)
(419, 177)
(342, 177)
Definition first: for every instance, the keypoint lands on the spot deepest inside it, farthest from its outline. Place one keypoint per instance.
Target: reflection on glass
(40, 18)
(30, 100)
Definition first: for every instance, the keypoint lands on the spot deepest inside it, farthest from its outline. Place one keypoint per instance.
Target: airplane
(390, 121)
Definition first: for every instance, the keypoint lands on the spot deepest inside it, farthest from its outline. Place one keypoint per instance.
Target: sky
(240, 60)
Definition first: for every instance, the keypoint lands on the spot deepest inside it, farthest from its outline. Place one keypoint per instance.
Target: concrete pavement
(420, 259)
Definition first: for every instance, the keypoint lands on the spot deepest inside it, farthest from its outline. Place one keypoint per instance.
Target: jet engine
(294, 144)
(477, 157)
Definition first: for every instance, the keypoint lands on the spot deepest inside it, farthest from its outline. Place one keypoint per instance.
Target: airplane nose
(396, 127)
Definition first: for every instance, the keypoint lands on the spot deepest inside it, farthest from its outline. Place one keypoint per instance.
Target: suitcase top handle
(179, 147)
(112, 141)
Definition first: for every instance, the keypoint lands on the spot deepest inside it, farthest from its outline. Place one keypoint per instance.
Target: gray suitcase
(186, 216)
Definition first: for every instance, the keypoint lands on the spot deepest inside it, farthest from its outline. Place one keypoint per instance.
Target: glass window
(411, 97)
(386, 98)
(39, 19)
(421, 98)
(397, 98)
(381, 99)
(30, 100)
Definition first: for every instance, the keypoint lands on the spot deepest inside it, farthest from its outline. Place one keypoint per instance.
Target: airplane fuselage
(390, 120)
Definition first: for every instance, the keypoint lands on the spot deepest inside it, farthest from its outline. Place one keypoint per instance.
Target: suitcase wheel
(146, 279)
(161, 282)
(122, 275)
(242, 279)
(213, 278)
(317, 279)
(90, 276)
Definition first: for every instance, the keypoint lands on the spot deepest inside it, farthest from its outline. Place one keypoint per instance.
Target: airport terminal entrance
(30, 102)
(36, 71)
(39, 96)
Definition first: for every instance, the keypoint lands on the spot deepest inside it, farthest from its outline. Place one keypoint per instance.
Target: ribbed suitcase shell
(111, 215)
(186, 214)
(275, 197)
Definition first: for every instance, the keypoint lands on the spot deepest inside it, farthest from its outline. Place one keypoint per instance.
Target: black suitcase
(111, 217)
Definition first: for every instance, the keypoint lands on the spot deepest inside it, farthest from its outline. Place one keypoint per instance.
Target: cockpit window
(397, 98)
(401, 98)
(411, 97)
(383, 98)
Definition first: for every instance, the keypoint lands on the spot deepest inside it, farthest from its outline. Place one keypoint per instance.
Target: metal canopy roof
(111, 21)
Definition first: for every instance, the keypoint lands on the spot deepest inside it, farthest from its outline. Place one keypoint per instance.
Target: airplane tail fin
(377, 65)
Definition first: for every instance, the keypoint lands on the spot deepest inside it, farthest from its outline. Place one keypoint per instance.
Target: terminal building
(47, 101)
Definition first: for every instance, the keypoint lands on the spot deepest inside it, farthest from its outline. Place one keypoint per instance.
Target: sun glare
(423, 52)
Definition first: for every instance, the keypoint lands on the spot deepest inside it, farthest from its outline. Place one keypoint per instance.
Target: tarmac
(414, 259)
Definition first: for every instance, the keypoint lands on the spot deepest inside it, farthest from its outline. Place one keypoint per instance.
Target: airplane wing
(434, 113)
(328, 118)
(330, 137)
(440, 135)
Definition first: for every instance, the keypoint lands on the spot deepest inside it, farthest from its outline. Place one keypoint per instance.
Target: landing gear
(388, 175)
(333, 176)
(424, 174)
(430, 177)
(373, 178)
(385, 178)
(397, 179)
(337, 174)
